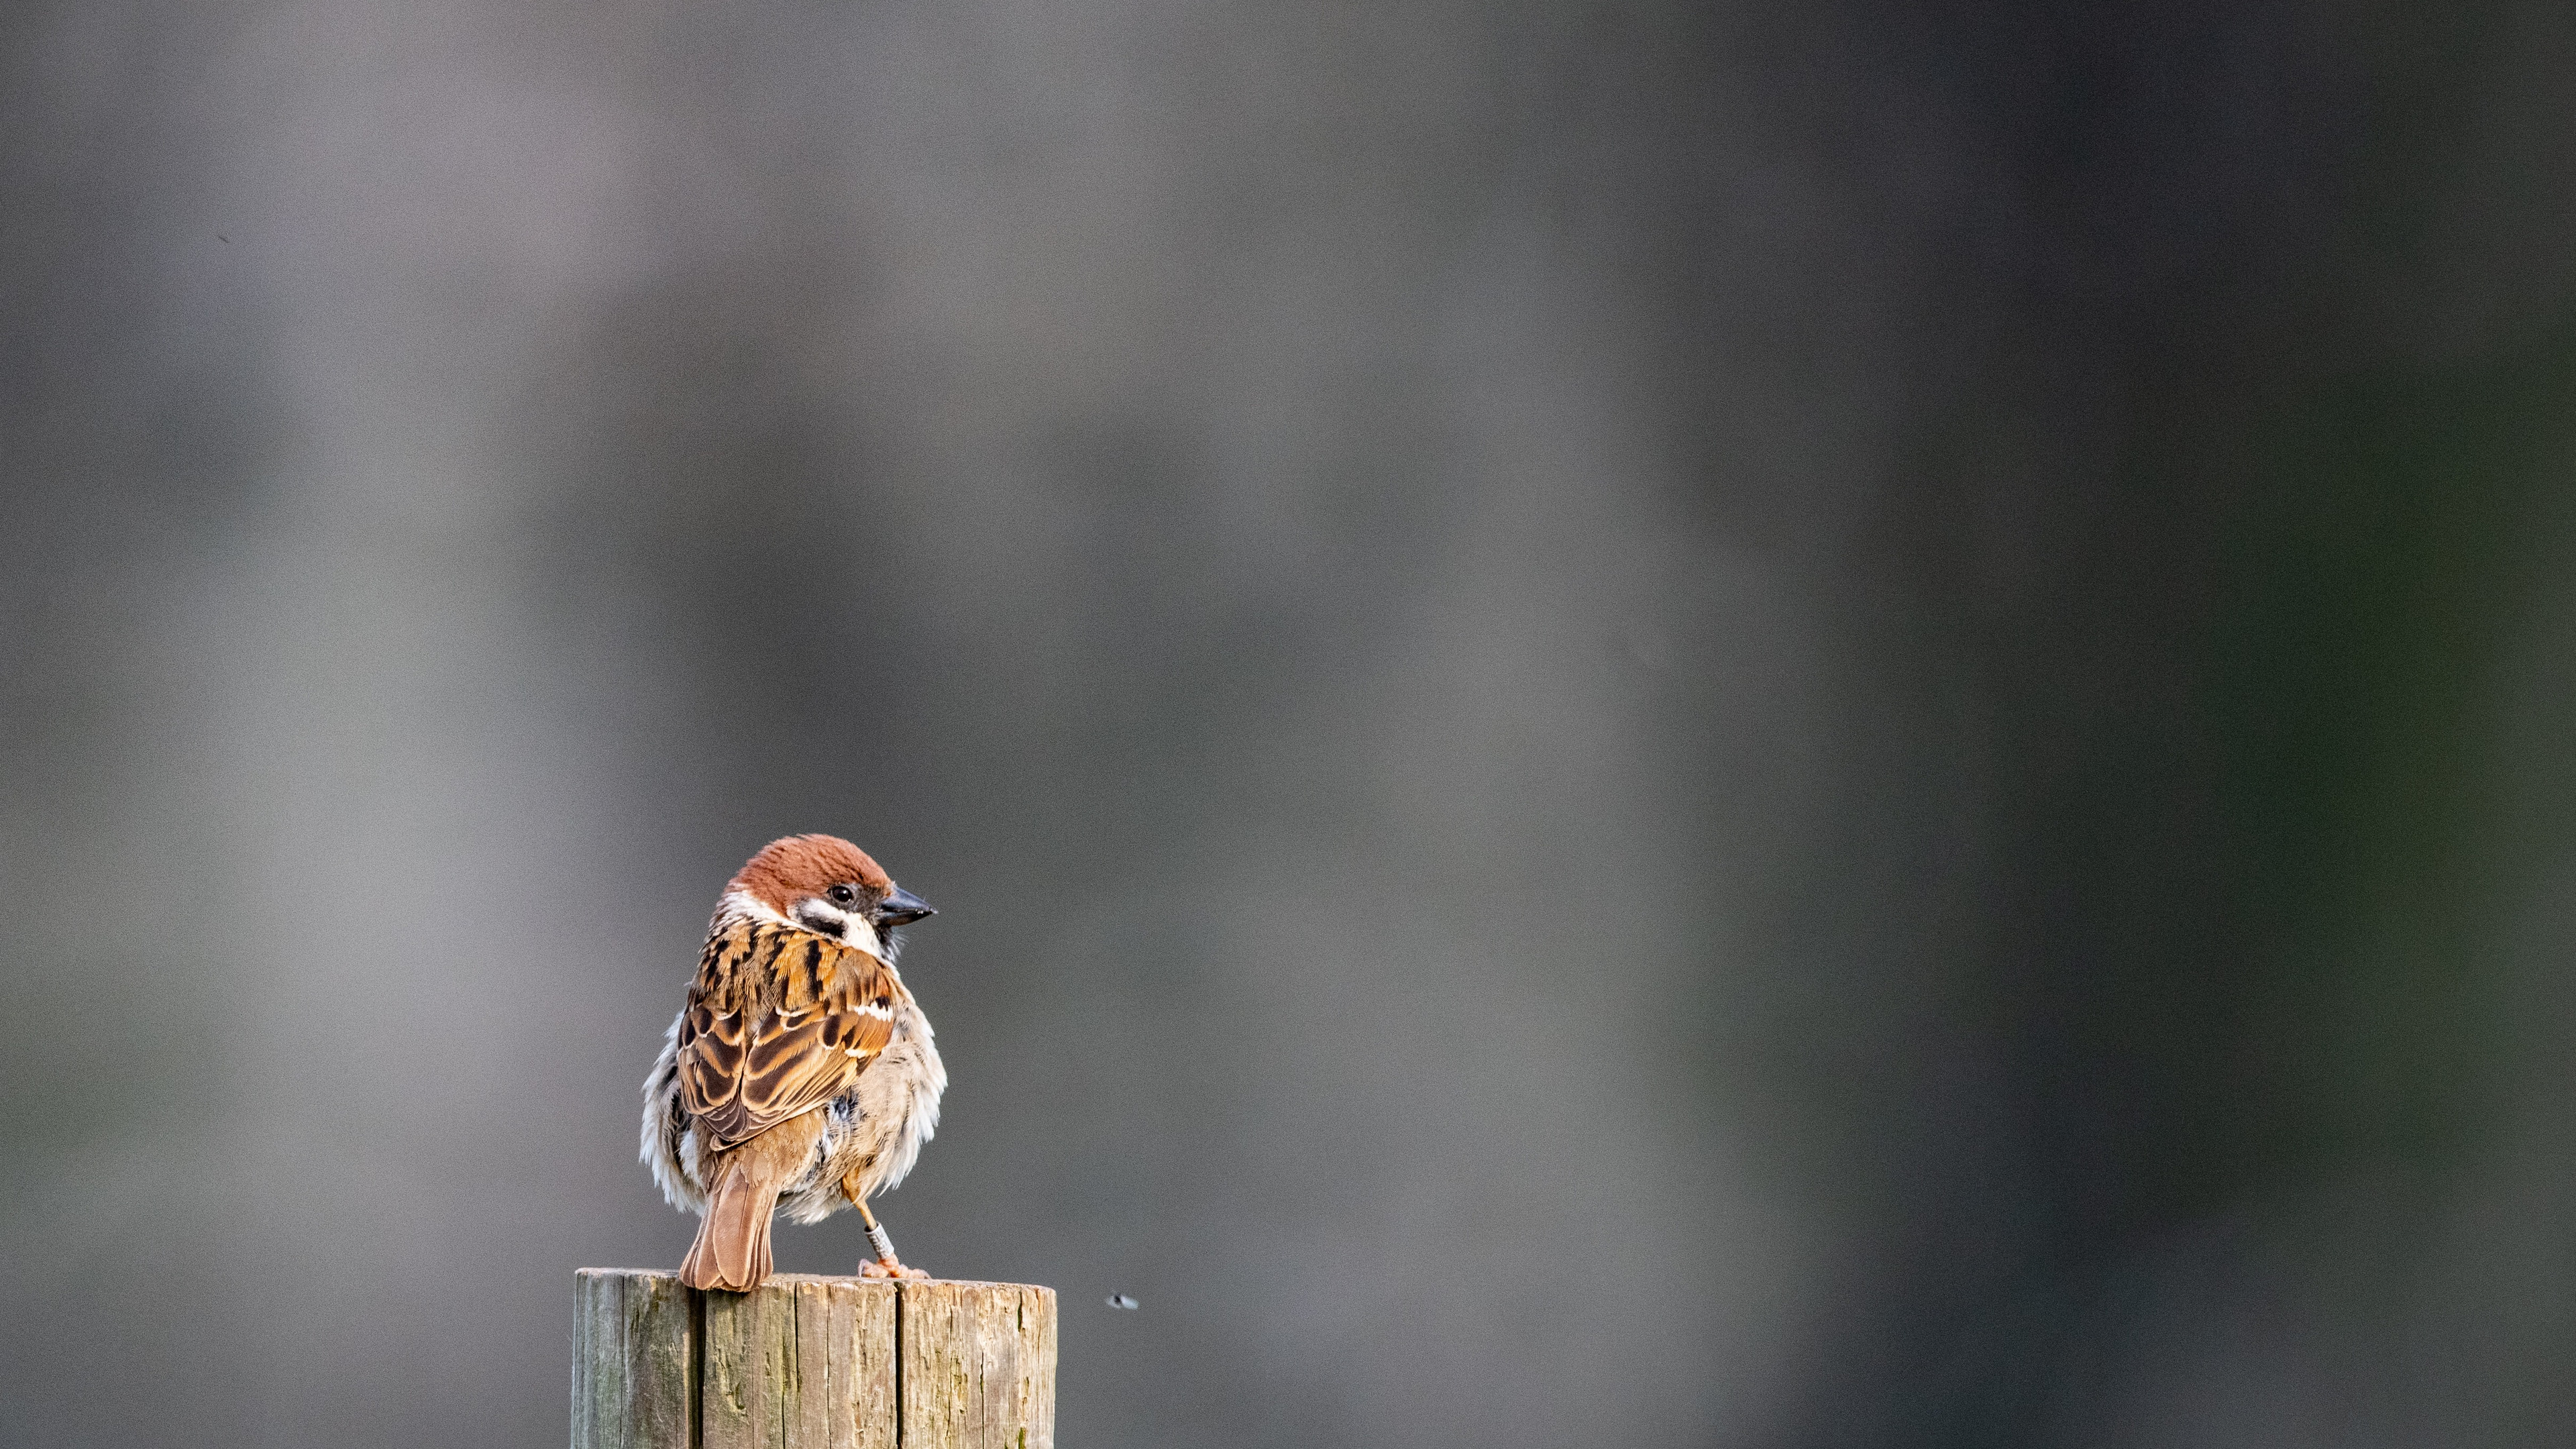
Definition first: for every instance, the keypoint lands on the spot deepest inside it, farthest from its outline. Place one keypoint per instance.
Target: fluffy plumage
(801, 1076)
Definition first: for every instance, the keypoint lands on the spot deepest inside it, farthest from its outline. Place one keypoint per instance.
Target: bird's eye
(842, 895)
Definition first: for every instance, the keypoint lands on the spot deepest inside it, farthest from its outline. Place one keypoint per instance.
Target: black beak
(900, 907)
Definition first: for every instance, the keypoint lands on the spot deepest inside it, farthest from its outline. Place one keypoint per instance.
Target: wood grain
(746, 1380)
(978, 1367)
(634, 1361)
(845, 1347)
(808, 1362)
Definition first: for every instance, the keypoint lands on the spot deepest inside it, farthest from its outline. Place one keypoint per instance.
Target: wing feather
(780, 1021)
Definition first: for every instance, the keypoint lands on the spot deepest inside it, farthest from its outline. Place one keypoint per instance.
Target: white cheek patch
(859, 933)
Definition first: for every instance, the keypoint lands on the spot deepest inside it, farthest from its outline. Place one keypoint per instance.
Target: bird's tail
(732, 1250)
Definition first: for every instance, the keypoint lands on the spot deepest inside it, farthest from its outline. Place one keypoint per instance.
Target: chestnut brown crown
(828, 885)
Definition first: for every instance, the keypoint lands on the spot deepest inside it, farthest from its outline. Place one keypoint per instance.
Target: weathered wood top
(812, 1362)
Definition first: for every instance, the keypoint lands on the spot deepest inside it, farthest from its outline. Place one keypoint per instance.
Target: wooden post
(806, 1362)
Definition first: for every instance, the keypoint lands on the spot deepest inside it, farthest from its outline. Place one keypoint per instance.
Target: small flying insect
(1121, 1300)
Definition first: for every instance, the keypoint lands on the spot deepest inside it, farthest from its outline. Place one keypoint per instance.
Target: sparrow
(800, 1077)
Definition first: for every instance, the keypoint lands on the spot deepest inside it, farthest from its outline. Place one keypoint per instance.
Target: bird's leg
(886, 1264)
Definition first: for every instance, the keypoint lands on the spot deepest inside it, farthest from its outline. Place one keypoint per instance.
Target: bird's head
(826, 885)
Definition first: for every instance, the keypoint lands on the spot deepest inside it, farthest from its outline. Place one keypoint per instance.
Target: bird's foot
(889, 1268)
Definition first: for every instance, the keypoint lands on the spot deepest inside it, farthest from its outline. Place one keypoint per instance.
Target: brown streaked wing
(712, 1049)
(745, 1073)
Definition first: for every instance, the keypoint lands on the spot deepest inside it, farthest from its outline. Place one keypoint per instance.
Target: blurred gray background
(1810, 722)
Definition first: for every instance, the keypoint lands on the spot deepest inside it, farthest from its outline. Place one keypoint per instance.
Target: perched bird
(800, 1078)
